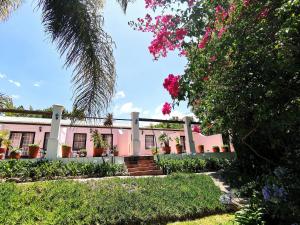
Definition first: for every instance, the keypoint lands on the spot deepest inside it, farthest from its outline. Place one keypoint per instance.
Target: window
(182, 142)
(149, 141)
(79, 141)
(108, 138)
(46, 138)
(22, 140)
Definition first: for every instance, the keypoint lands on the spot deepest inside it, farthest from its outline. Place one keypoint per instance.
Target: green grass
(223, 219)
(111, 201)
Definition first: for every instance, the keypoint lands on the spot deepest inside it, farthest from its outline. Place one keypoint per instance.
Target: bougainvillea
(171, 84)
(196, 129)
(166, 110)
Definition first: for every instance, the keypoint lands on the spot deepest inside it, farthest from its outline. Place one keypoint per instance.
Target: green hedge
(153, 200)
(39, 170)
(192, 164)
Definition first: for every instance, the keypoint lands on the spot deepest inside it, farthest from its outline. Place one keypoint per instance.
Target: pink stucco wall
(121, 137)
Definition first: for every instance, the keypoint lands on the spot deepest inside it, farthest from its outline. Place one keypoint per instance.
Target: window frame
(182, 137)
(153, 141)
(112, 139)
(76, 150)
(22, 136)
(44, 141)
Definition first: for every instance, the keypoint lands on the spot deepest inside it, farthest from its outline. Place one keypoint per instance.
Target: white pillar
(135, 134)
(189, 135)
(53, 146)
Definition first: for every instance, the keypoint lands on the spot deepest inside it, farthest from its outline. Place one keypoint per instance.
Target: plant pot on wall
(15, 155)
(225, 148)
(2, 151)
(33, 151)
(167, 149)
(215, 149)
(98, 152)
(2, 156)
(200, 148)
(179, 149)
(66, 151)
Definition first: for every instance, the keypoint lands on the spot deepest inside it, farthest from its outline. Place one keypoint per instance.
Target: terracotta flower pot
(15, 155)
(200, 148)
(98, 152)
(179, 148)
(225, 149)
(2, 156)
(2, 150)
(33, 151)
(167, 149)
(216, 149)
(66, 151)
(116, 153)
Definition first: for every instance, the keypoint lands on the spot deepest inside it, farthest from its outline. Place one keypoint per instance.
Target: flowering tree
(242, 76)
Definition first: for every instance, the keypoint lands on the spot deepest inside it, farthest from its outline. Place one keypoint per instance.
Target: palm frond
(108, 121)
(124, 3)
(7, 6)
(76, 27)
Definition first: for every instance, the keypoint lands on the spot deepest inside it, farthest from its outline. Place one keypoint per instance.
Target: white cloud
(146, 113)
(15, 96)
(37, 84)
(2, 76)
(119, 94)
(18, 84)
(128, 108)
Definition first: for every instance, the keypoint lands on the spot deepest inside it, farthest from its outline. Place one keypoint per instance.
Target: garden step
(135, 169)
(144, 173)
(140, 165)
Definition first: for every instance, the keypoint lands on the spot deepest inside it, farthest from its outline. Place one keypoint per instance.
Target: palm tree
(5, 101)
(76, 27)
(108, 122)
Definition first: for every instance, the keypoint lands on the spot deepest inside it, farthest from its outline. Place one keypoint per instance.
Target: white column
(53, 146)
(135, 134)
(190, 145)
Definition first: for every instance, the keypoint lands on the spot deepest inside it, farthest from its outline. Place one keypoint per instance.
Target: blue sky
(32, 72)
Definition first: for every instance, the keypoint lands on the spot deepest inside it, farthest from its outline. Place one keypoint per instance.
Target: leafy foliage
(111, 201)
(192, 165)
(39, 170)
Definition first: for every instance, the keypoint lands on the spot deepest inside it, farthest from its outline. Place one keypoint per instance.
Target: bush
(37, 170)
(192, 165)
(153, 200)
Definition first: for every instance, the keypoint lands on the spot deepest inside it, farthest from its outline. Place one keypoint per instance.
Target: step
(140, 161)
(135, 169)
(136, 158)
(144, 173)
(140, 165)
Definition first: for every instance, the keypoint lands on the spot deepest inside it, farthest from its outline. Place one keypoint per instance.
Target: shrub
(193, 165)
(153, 200)
(37, 170)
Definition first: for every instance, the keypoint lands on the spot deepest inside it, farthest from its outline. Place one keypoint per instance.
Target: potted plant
(66, 151)
(179, 147)
(155, 151)
(165, 142)
(33, 150)
(100, 145)
(115, 150)
(225, 148)
(215, 148)
(82, 153)
(200, 148)
(15, 153)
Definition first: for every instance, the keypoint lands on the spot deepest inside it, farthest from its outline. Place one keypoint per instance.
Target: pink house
(24, 131)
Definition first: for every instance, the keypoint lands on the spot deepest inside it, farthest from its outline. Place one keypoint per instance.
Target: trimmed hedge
(26, 170)
(153, 200)
(192, 164)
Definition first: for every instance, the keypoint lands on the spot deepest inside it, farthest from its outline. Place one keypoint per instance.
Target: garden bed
(112, 201)
(26, 170)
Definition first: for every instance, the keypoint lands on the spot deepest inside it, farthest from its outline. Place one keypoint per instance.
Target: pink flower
(264, 13)
(166, 109)
(171, 84)
(206, 38)
(196, 129)
(213, 58)
(221, 32)
(205, 78)
(246, 3)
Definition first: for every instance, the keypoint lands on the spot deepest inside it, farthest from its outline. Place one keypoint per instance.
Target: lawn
(224, 219)
(152, 200)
